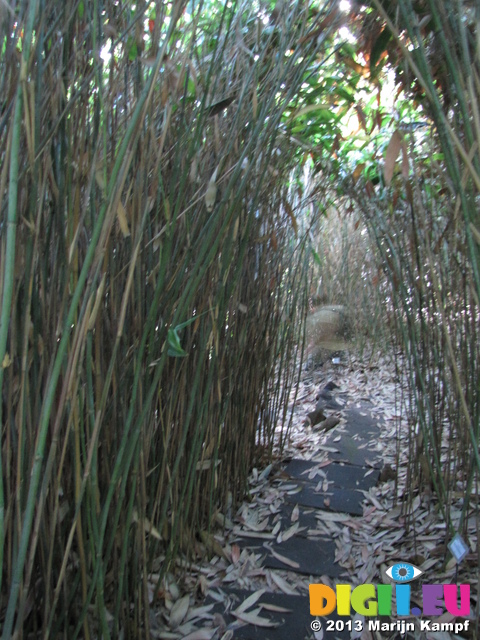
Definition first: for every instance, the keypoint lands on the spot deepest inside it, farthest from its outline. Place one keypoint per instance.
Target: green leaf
(348, 48)
(316, 257)
(174, 346)
(327, 116)
(309, 108)
(81, 10)
(191, 89)
(346, 95)
(132, 51)
(379, 47)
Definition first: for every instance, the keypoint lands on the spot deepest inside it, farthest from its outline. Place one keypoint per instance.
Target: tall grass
(151, 280)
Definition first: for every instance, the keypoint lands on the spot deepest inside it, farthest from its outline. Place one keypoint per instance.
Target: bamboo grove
(152, 270)
(155, 256)
(411, 175)
(422, 212)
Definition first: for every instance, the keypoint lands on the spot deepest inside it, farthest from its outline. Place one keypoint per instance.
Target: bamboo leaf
(290, 532)
(98, 301)
(148, 526)
(379, 47)
(132, 49)
(405, 161)
(212, 545)
(316, 257)
(255, 619)
(6, 362)
(122, 220)
(309, 108)
(391, 155)
(250, 601)
(201, 634)
(211, 192)
(282, 558)
(174, 347)
(282, 584)
(179, 611)
(291, 215)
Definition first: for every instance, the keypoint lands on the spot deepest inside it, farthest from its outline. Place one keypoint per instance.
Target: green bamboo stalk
(50, 393)
(241, 199)
(124, 453)
(8, 286)
(11, 238)
(450, 139)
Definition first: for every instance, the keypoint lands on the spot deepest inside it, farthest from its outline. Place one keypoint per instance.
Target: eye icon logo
(403, 572)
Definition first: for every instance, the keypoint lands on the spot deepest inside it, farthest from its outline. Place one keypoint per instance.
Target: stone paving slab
(306, 518)
(358, 444)
(355, 452)
(355, 467)
(336, 499)
(340, 475)
(313, 557)
(293, 624)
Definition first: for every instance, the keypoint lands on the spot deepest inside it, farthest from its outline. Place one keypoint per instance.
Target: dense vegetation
(421, 208)
(167, 170)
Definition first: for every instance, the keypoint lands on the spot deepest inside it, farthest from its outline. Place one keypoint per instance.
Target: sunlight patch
(346, 34)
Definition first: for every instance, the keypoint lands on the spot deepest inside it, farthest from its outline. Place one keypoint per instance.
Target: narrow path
(320, 494)
(329, 512)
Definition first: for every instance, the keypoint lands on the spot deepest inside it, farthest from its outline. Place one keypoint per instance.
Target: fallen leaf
(235, 553)
(275, 608)
(201, 634)
(250, 601)
(289, 533)
(283, 584)
(179, 611)
(255, 619)
(280, 558)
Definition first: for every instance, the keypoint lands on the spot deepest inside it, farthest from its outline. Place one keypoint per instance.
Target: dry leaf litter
(365, 546)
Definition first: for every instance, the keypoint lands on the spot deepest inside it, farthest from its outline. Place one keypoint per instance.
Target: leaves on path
(365, 546)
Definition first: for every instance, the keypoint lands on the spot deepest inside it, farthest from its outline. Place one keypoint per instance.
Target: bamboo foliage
(347, 273)
(151, 279)
(426, 229)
